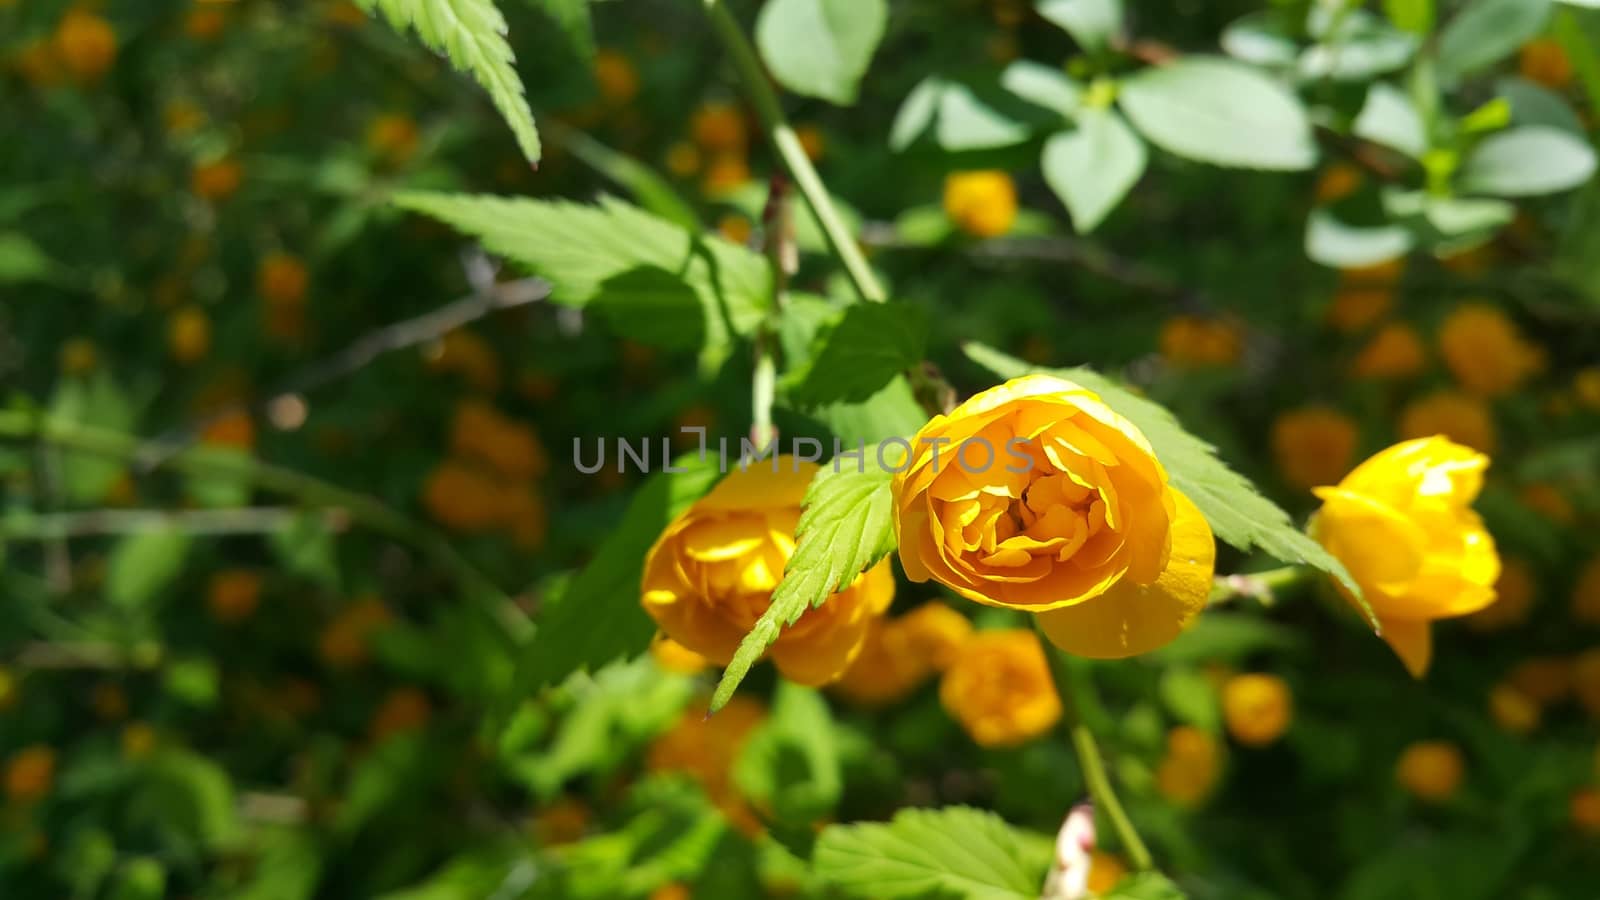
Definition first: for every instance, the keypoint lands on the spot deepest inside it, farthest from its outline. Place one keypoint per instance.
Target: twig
(364, 350)
(86, 655)
(248, 520)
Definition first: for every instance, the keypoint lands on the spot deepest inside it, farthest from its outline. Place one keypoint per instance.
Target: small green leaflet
(1092, 167)
(845, 528)
(1092, 23)
(473, 34)
(1528, 161)
(143, 565)
(821, 48)
(790, 765)
(598, 618)
(1221, 112)
(1487, 31)
(1238, 513)
(871, 344)
(952, 852)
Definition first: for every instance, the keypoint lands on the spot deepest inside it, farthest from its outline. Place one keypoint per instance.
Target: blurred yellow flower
(560, 823)
(1189, 770)
(1313, 445)
(216, 179)
(1431, 771)
(205, 22)
(346, 640)
(1586, 680)
(1395, 351)
(281, 278)
(705, 748)
(78, 356)
(137, 740)
(1515, 591)
(1485, 352)
(711, 573)
(404, 709)
(1512, 710)
(86, 44)
(1460, 417)
(1193, 341)
(393, 137)
(481, 432)
(1402, 523)
(811, 141)
(8, 689)
(465, 353)
(1542, 679)
(30, 772)
(230, 429)
(683, 159)
(725, 173)
(1583, 809)
(1364, 296)
(983, 204)
(1586, 594)
(233, 594)
(1066, 513)
(1338, 181)
(999, 688)
(900, 654)
(189, 334)
(1105, 871)
(1586, 387)
(1544, 61)
(735, 227)
(719, 128)
(464, 497)
(615, 75)
(1257, 708)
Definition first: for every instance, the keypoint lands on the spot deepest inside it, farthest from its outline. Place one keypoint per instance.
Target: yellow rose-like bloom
(1430, 770)
(902, 653)
(1459, 417)
(999, 688)
(711, 574)
(1402, 523)
(1394, 352)
(982, 204)
(1313, 445)
(1071, 518)
(1257, 708)
(1485, 352)
(675, 657)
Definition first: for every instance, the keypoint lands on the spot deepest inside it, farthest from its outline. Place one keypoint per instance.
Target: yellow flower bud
(1431, 771)
(982, 204)
(1257, 708)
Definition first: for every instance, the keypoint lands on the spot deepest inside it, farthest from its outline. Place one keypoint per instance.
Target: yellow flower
(1189, 770)
(1514, 592)
(1586, 594)
(29, 773)
(705, 748)
(345, 642)
(616, 76)
(675, 657)
(1192, 341)
(1365, 295)
(8, 689)
(1402, 523)
(683, 159)
(233, 595)
(1257, 708)
(1396, 351)
(78, 356)
(1586, 387)
(1070, 516)
(999, 688)
(1583, 808)
(711, 574)
(204, 22)
(480, 432)
(725, 173)
(231, 429)
(463, 497)
(1430, 770)
(404, 710)
(562, 822)
(1313, 445)
(189, 334)
(1512, 710)
(1586, 680)
(1542, 679)
(393, 137)
(1337, 182)
(217, 179)
(811, 141)
(138, 739)
(719, 128)
(735, 227)
(1545, 62)
(281, 278)
(1461, 418)
(982, 204)
(933, 632)
(86, 44)
(1105, 871)
(902, 653)
(1485, 352)
(466, 354)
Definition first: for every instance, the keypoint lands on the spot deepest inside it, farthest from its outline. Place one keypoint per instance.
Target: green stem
(787, 144)
(1090, 761)
(308, 490)
(1260, 585)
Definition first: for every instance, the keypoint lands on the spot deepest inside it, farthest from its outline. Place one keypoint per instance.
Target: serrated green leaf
(891, 412)
(472, 33)
(845, 528)
(1092, 167)
(1487, 31)
(144, 564)
(1221, 112)
(955, 852)
(821, 48)
(871, 344)
(1528, 161)
(1237, 512)
(1094, 24)
(569, 637)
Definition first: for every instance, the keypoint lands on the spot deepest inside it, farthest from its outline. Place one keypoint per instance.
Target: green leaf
(1356, 47)
(1415, 16)
(1528, 161)
(1487, 31)
(821, 48)
(1390, 118)
(871, 344)
(1228, 637)
(573, 18)
(1094, 166)
(1094, 24)
(916, 113)
(648, 188)
(472, 33)
(956, 852)
(891, 412)
(1534, 105)
(1145, 886)
(584, 251)
(1222, 112)
(1331, 242)
(21, 260)
(790, 766)
(845, 528)
(1259, 38)
(140, 878)
(977, 113)
(306, 548)
(1237, 512)
(187, 799)
(144, 564)
(100, 401)
(1043, 86)
(598, 618)
(1187, 694)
